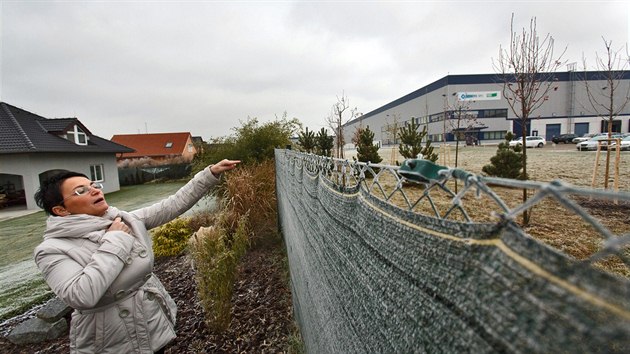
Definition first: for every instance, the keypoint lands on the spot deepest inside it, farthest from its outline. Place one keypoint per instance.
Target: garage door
(551, 130)
(581, 129)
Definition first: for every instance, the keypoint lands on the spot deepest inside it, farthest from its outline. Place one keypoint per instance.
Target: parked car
(530, 141)
(624, 144)
(593, 142)
(584, 137)
(563, 138)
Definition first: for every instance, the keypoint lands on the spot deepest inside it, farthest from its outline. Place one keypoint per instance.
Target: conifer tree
(324, 143)
(508, 162)
(367, 151)
(411, 142)
(306, 140)
(427, 150)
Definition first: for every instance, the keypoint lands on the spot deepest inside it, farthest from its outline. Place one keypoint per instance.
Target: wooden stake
(596, 165)
(445, 154)
(617, 161)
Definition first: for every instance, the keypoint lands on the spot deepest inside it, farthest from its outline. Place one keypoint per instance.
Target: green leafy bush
(171, 239)
(252, 142)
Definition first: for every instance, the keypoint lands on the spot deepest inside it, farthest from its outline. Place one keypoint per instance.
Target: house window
(190, 147)
(168, 145)
(77, 136)
(96, 173)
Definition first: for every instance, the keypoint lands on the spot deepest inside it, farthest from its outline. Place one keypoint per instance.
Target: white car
(624, 144)
(585, 137)
(593, 142)
(530, 141)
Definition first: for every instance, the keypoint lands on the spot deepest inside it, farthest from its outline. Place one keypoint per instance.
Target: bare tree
(527, 70)
(610, 100)
(392, 134)
(356, 137)
(340, 114)
(461, 121)
(392, 128)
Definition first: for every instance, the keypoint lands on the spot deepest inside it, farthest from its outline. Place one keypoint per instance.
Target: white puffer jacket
(120, 306)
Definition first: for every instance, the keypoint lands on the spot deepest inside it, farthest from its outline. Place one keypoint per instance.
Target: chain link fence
(403, 260)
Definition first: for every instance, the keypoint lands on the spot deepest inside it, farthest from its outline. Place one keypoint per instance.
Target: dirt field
(551, 222)
(559, 162)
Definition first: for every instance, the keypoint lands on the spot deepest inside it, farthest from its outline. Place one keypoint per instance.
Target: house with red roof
(33, 147)
(158, 147)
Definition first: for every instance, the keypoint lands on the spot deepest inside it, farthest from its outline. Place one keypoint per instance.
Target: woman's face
(92, 202)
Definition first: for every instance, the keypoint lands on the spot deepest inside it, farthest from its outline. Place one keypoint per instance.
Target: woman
(99, 261)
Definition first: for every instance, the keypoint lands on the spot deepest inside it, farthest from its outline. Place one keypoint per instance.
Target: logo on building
(479, 96)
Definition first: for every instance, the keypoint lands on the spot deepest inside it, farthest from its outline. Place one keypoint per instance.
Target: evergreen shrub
(508, 161)
(171, 239)
(367, 151)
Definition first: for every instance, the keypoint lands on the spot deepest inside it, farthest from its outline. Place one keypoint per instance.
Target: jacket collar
(79, 225)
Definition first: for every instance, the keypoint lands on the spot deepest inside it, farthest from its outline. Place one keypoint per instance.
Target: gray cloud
(203, 66)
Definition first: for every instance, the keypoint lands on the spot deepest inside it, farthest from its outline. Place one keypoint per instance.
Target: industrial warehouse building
(485, 116)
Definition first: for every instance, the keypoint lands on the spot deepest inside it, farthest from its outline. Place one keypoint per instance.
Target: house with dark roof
(158, 147)
(33, 147)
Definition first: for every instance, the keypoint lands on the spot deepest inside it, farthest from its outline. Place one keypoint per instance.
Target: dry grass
(551, 222)
(247, 217)
(251, 190)
(216, 255)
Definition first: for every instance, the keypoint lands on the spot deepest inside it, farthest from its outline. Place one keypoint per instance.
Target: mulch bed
(262, 320)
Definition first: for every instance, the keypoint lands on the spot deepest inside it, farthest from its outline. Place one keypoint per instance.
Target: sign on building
(479, 96)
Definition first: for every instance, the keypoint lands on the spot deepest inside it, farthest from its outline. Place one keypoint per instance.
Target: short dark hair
(49, 193)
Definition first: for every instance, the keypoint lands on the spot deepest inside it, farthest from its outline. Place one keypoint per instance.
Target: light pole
(445, 95)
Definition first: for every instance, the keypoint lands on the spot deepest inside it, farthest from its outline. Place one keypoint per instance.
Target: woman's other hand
(119, 225)
(222, 166)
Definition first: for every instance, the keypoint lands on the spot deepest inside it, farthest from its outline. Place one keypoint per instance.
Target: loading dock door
(551, 130)
(581, 129)
(517, 128)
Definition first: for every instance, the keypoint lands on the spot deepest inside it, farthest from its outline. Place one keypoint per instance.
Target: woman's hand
(222, 166)
(119, 225)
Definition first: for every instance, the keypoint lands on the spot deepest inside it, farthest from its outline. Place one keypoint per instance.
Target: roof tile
(153, 145)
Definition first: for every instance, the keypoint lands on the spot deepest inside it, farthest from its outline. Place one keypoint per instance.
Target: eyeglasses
(79, 191)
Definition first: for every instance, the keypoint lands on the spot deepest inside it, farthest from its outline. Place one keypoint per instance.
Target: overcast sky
(204, 66)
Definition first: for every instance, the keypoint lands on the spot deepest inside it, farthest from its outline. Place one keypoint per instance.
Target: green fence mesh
(371, 277)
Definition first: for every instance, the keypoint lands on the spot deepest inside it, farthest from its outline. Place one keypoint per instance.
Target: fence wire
(408, 259)
(344, 173)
